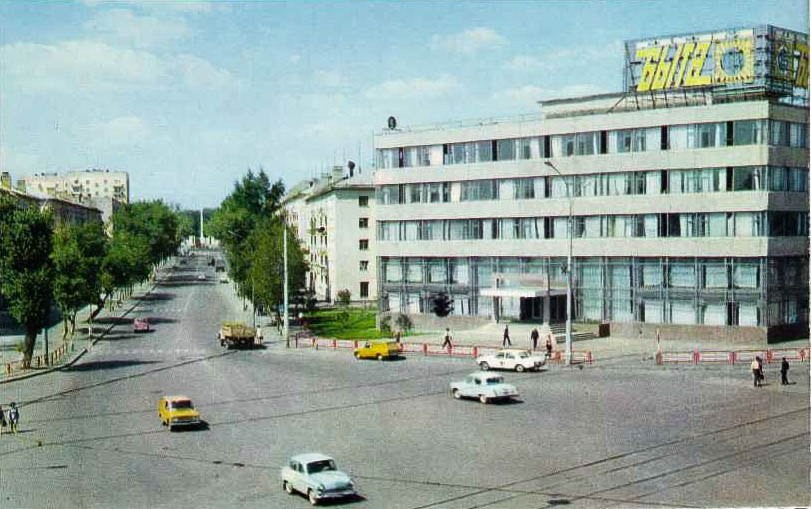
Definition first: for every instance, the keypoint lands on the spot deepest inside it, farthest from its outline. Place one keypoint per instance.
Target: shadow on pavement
(155, 296)
(100, 365)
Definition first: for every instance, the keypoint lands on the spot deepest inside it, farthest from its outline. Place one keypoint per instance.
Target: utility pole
(568, 352)
(201, 226)
(286, 318)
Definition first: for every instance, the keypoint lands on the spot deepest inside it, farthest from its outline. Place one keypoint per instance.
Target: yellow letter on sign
(802, 65)
(694, 77)
(650, 57)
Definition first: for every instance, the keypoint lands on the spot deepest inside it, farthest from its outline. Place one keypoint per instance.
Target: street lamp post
(568, 353)
(286, 318)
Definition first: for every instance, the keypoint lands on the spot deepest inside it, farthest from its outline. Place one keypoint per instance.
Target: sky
(187, 96)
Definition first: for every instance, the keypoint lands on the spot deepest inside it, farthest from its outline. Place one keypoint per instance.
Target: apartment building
(80, 185)
(333, 218)
(683, 199)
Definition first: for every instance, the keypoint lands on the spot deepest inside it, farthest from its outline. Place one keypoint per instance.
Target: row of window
(592, 274)
(694, 224)
(701, 180)
(675, 137)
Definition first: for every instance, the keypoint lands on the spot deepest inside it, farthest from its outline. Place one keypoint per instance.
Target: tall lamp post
(568, 353)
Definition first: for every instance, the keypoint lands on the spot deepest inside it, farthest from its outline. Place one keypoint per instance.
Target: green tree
(442, 304)
(344, 297)
(78, 252)
(265, 263)
(123, 265)
(26, 269)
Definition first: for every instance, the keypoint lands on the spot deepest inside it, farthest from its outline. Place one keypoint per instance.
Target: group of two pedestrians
(12, 420)
(758, 376)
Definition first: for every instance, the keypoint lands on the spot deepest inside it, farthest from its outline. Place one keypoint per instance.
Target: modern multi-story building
(80, 185)
(333, 218)
(101, 189)
(683, 199)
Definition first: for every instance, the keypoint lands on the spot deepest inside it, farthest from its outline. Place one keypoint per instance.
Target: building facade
(334, 220)
(683, 199)
(79, 186)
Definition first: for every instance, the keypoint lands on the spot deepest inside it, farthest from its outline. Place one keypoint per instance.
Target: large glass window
(682, 275)
(747, 132)
(524, 188)
(506, 150)
(748, 178)
(479, 190)
(387, 158)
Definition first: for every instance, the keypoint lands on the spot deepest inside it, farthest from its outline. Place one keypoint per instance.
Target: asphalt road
(620, 434)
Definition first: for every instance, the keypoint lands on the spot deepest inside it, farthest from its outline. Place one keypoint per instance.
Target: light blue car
(315, 475)
(484, 386)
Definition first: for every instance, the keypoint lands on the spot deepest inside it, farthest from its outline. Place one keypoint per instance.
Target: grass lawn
(357, 324)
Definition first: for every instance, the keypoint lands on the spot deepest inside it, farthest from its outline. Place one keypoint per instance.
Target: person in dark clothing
(14, 417)
(549, 345)
(506, 341)
(533, 339)
(447, 342)
(784, 372)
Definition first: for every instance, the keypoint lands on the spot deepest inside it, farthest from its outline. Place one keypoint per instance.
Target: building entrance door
(531, 308)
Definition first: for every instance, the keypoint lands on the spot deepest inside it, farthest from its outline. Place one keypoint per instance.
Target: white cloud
(469, 41)
(200, 73)
(89, 65)
(126, 130)
(177, 5)
(412, 88)
(524, 63)
(140, 31)
(529, 94)
(18, 163)
(330, 79)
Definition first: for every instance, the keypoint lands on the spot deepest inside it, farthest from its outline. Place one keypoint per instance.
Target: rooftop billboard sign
(765, 57)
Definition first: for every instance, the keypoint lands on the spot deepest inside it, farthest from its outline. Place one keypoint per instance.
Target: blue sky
(186, 96)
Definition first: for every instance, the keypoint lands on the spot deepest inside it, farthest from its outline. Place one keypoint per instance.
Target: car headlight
(321, 487)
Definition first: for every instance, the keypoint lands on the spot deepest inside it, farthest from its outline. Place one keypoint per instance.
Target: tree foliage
(26, 268)
(250, 227)
(78, 253)
(442, 304)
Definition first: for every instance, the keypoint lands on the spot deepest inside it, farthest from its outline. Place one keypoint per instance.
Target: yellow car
(176, 411)
(377, 350)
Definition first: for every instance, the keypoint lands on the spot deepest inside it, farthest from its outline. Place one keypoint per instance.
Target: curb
(81, 353)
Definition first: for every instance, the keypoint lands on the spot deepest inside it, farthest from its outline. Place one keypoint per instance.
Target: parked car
(377, 350)
(511, 358)
(315, 475)
(484, 386)
(201, 276)
(176, 411)
(141, 325)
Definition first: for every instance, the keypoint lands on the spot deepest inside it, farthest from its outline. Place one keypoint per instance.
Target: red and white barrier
(768, 356)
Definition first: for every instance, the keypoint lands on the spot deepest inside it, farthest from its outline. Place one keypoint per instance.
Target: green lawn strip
(356, 324)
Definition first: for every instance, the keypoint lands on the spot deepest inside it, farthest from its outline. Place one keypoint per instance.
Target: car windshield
(320, 466)
(523, 355)
(184, 403)
(494, 380)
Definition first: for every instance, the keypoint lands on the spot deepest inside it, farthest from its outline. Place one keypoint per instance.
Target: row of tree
(75, 265)
(250, 225)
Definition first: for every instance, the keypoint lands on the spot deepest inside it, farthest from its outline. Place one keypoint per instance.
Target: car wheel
(357, 355)
(455, 393)
(484, 366)
(312, 497)
(287, 487)
(170, 427)
(380, 357)
(483, 399)
(519, 367)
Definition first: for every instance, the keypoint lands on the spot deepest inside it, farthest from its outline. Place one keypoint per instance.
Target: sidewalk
(490, 335)
(64, 353)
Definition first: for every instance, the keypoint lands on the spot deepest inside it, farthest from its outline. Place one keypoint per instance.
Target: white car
(511, 358)
(315, 475)
(484, 386)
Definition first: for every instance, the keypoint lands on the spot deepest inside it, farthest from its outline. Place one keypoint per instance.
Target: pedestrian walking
(533, 339)
(784, 372)
(755, 367)
(3, 423)
(447, 343)
(549, 345)
(760, 371)
(506, 341)
(14, 417)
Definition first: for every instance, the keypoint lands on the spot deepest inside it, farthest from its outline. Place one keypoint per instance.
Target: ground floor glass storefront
(659, 290)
